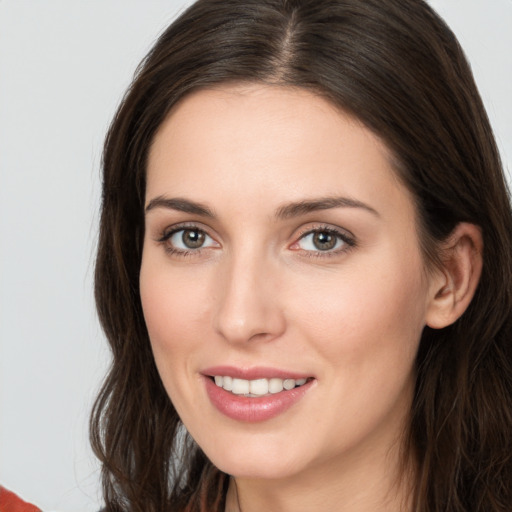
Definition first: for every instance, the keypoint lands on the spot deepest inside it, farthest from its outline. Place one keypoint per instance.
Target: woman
(304, 268)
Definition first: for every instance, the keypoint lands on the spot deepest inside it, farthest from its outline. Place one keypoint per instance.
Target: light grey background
(64, 65)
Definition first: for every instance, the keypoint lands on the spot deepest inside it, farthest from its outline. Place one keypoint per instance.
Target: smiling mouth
(257, 387)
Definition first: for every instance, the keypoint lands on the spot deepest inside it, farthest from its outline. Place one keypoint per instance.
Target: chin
(257, 460)
(256, 469)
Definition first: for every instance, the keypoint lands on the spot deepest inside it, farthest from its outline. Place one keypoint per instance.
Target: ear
(454, 284)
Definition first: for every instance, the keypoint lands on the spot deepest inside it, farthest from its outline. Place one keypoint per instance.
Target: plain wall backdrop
(64, 65)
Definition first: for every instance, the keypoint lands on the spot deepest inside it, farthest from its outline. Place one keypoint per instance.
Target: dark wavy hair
(397, 67)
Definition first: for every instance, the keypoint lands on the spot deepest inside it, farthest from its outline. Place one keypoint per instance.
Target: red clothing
(9, 502)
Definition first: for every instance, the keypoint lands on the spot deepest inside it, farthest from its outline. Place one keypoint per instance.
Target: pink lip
(258, 372)
(253, 409)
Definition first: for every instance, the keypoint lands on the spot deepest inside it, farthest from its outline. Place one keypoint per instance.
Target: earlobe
(454, 285)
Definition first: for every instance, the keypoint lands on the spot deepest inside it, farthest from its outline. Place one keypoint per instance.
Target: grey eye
(324, 241)
(321, 241)
(192, 238)
(186, 239)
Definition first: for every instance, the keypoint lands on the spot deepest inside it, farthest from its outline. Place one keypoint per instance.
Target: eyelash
(348, 241)
(167, 235)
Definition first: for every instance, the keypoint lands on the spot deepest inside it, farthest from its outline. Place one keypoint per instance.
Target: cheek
(372, 313)
(174, 312)
(175, 316)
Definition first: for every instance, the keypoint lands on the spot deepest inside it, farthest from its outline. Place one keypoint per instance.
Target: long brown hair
(398, 68)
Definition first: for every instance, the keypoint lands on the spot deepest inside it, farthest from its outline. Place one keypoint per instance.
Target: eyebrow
(295, 209)
(325, 203)
(181, 205)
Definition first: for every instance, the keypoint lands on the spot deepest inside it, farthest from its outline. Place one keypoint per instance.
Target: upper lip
(253, 373)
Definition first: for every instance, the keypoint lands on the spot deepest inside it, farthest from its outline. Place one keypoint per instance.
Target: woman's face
(281, 250)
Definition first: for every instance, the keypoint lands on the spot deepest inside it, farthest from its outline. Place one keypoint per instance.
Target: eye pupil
(324, 241)
(192, 238)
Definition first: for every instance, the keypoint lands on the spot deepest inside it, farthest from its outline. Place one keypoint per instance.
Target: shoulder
(10, 502)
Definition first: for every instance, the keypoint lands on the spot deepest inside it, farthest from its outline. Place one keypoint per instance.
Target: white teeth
(257, 387)
(240, 387)
(275, 385)
(227, 383)
(289, 384)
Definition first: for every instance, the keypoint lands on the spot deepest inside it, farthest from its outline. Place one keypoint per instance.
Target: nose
(248, 306)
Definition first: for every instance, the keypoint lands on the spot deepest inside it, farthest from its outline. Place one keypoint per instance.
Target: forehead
(258, 142)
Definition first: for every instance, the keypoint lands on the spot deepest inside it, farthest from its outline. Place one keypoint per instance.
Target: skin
(260, 293)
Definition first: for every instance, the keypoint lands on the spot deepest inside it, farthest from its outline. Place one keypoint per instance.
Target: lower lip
(254, 409)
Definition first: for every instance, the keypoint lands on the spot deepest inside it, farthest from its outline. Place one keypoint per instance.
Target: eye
(182, 240)
(326, 240)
